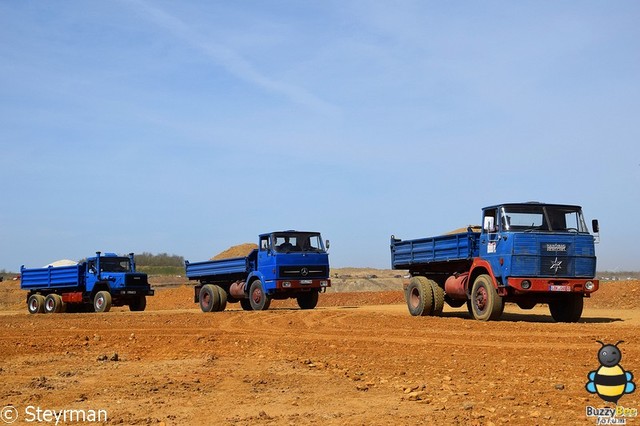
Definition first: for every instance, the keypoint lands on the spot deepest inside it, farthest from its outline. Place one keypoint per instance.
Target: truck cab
(550, 242)
(117, 275)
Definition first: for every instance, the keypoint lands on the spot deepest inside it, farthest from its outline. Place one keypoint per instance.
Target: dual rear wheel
(425, 297)
(213, 298)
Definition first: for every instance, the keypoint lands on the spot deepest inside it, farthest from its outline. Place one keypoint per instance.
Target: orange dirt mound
(240, 250)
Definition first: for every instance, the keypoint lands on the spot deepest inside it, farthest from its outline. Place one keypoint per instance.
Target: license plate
(560, 288)
(306, 281)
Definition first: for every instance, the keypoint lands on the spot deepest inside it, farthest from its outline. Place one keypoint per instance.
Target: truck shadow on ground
(528, 317)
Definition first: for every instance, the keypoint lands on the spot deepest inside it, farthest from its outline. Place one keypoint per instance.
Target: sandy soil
(359, 358)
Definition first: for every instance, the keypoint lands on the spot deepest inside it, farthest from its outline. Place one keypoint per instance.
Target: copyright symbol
(9, 414)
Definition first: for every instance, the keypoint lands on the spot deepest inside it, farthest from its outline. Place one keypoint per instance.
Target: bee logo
(610, 381)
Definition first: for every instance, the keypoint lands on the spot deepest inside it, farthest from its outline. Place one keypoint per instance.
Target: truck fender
(479, 267)
(100, 286)
(255, 275)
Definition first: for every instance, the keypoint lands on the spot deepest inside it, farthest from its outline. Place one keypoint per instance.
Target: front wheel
(35, 304)
(485, 303)
(567, 309)
(102, 301)
(259, 299)
(246, 305)
(138, 304)
(308, 300)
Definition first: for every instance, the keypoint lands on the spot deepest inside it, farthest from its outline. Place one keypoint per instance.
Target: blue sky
(188, 127)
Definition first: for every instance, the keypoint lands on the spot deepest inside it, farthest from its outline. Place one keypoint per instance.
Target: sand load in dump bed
(241, 250)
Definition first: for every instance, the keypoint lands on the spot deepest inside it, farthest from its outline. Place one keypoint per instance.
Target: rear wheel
(209, 298)
(102, 301)
(567, 309)
(222, 296)
(258, 297)
(35, 304)
(53, 304)
(485, 304)
(438, 298)
(419, 296)
(308, 300)
(138, 304)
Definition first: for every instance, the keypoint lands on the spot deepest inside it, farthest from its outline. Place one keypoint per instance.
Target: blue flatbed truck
(524, 253)
(286, 264)
(96, 284)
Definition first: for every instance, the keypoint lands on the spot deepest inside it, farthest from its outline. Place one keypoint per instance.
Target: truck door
(267, 264)
(90, 275)
(491, 238)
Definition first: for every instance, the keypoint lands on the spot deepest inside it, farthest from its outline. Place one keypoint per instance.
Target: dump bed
(237, 267)
(430, 250)
(50, 277)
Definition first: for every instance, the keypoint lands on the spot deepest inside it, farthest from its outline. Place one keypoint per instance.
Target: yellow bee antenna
(601, 342)
(616, 345)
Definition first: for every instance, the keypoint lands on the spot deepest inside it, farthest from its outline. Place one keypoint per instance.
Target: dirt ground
(359, 358)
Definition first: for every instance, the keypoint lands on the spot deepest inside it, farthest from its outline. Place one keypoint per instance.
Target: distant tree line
(162, 259)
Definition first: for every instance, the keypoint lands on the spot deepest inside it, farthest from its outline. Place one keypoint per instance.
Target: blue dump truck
(286, 264)
(96, 284)
(525, 253)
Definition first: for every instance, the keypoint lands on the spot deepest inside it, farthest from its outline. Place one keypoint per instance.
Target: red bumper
(300, 284)
(554, 285)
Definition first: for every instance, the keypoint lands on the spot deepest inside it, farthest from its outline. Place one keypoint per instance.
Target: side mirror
(595, 226)
(327, 244)
(489, 224)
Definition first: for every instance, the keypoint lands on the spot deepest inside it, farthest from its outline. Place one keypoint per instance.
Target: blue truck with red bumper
(524, 253)
(286, 264)
(96, 284)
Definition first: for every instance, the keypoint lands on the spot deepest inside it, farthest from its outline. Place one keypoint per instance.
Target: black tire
(525, 306)
(138, 304)
(307, 300)
(102, 301)
(260, 301)
(246, 305)
(35, 304)
(454, 303)
(209, 298)
(485, 304)
(419, 297)
(53, 304)
(438, 298)
(567, 309)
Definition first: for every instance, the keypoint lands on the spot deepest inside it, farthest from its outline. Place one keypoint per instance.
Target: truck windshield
(288, 242)
(115, 264)
(549, 218)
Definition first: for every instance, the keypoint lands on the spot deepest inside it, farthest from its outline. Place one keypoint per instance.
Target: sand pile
(240, 250)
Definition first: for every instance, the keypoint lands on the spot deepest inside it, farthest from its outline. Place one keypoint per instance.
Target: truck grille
(135, 280)
(303, 272)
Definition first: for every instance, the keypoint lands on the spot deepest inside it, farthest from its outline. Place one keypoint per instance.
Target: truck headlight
(525, 284)
(589, 285)
(286, 284)
(323, 283)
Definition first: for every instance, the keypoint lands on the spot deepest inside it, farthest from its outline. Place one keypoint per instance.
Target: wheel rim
(100, 302)
(50, 305)
(257, 295)
(481, 299)
(33, 305)
(206, 300)
(414, 298)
